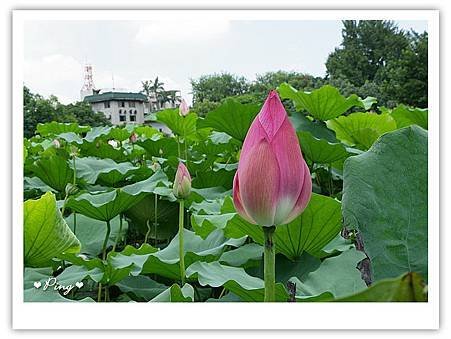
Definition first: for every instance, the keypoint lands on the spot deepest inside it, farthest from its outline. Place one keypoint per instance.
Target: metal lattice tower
(88, 85)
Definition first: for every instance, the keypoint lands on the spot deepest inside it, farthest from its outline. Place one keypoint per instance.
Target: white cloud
(56, 74)
(172, 30)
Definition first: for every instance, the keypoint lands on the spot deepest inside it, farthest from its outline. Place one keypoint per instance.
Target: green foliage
(38, 110)
(46, 233)
(409, 287)
(385, 199)
(116, 197)
(216, 87)
(378, 59)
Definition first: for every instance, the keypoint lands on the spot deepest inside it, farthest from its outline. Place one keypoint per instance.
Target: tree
(216, 87)
(406, 79)
(82, 113)
(367, 47)
(38, 109)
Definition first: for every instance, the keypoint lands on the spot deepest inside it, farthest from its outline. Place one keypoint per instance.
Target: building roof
(108, 96)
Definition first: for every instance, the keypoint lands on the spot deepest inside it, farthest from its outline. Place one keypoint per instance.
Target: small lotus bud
(73, 151)
(56, 143)
(71, 189)
(133, 138)
(183, 108)
(155, 166)
(182, 182)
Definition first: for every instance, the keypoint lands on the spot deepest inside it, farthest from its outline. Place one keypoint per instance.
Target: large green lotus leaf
(234, 279)
(146, 131)
(70, 137)
(106, 171)
(244, 256)
(180, 125)
(46, 234)
(97, 132)
(106, 205)
(176, 294)
(73, 274)
(406, 116)
(147, 259)
(119, 134)
(144, 212)
(54, 170)
(361, 129)
(34, 183)
(337, 275)
(321, 151)
(54, 128)
(33, 294)
(160, 147)
(101, 149)
(141, 287)
(91, 232)
(231, 117)
(311, 231)
(217, 177)
(409, 287)
(318, 142)
(317, 129)
(323, 104)
(386, 199)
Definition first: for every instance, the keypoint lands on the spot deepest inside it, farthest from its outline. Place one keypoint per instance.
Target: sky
(123, 53)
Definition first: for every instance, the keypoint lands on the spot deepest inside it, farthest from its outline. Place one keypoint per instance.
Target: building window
(120, 111)
(131, 104)
(121, 103)
(132, 118)
(122, 117)
(106, 104)
(109, 117)
(131, 111)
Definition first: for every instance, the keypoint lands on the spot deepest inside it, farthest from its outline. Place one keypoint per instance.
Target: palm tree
(154, 90)
(157, 89)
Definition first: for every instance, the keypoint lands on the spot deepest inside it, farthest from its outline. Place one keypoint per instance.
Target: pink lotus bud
(182, 182)
(183, 108)
(133, 138)
(272, 185)
(56, 143)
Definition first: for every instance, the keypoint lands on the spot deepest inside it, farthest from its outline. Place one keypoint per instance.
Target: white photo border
(321, 315)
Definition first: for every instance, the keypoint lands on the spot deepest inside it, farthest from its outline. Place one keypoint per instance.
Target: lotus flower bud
(272, 185)
(56, 143)
(133, 138)
(183, 108)
(182, 182)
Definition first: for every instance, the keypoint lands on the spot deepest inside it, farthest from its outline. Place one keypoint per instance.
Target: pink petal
(237, 200)
(285, 146)
(272, 115)
(258, 177)
(304, 197)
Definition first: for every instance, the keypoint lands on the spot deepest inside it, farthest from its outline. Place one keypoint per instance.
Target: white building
(119, 107)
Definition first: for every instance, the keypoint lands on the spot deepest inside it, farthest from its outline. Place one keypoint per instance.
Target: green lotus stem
(75, 223)
(118, 233)
(156, 218)
(148, 231)
(178, 145)
(105, 241)
(269, 264)
(181, 250)
(99, 293)
(75, 170)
